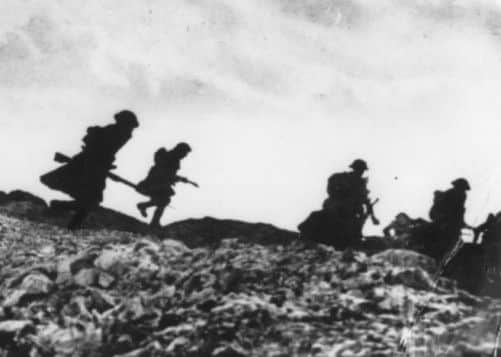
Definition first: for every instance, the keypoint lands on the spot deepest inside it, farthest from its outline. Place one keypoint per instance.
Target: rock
(101, 301)
(447, 284)
(14, 298)
(13, 329)
(152, 349)
(177, 344)
(112, 261)
(82, 261)
(146, 244)
(86, 277)
(63, 270)
(105, 280)
(393, 298)
(174, 247)
(146, 265)
(133, 309)
(47, 269)
(233, 350)
(411, 277)
(233, 298)
(37, 284)
(14, 326)
(406, 259)
(72, 341)
(48, 250)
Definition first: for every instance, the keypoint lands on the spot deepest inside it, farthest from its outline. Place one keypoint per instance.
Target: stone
(405, 259)
(411, 277)
(174, 247)
(86, 277)
(48, 250)
(13, 326)
(177, 343)
(63, 270)
(105, 280)
(14, 298)
(37, 284)
(82, 261)
(146, 244)
(233, 350)
(112, 261)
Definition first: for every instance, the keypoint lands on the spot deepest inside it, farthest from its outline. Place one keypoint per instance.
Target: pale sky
(272, 95)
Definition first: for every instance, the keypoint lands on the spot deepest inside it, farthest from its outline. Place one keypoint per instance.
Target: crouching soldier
(491, 241)
(161, 177)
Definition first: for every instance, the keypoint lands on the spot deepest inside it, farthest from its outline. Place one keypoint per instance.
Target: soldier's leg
(161, 204)
(143, 206)
(84, 205)
(159, 211)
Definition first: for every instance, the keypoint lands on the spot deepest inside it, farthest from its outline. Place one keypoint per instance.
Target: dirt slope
(112, 293)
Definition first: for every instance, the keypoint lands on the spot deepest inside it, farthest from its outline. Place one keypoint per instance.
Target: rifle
(185, 180)
(63, 159)
(370, 211)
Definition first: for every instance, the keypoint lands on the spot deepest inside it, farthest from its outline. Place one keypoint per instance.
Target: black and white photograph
(250, 178)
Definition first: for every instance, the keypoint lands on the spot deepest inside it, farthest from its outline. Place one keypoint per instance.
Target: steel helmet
(359, 164)
(461, 183)
(126, 118)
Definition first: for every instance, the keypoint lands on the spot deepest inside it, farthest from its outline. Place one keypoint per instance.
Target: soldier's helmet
(159, 154)
(359, 165)
(461, 184)
(182, 148)
(126, 118)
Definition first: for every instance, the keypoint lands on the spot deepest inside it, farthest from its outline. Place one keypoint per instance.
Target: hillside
(193, 232)
(114, 293)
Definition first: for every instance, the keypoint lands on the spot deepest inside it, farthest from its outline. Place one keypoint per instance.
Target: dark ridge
(193, 232)
(209, 230)
(21, 196)
(24, 205)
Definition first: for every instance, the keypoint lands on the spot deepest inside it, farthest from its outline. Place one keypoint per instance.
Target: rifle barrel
(58, 157)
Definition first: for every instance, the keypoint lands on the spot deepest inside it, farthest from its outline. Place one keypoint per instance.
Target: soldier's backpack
(439, 206)
(340, 185)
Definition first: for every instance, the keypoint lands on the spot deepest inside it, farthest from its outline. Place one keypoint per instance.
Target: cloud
(336, 52)
(346, 77)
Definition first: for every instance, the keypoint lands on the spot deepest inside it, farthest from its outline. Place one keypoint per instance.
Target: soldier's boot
(155, 221)
(142, 207)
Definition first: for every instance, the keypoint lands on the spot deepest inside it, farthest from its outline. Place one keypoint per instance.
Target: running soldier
(161, 177)
(83, 177)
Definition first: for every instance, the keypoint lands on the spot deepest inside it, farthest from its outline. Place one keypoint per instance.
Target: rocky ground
(111, 293)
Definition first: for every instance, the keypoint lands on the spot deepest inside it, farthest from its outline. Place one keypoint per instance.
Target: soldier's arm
(387, 229)
(482, 227)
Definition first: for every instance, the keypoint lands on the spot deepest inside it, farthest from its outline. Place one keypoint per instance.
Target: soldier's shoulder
(340, 175)
(93, 128)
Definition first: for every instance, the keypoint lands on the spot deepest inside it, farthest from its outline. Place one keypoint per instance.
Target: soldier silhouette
(491, 241)
(407, 232)
(344, 212)
(447, 217)
(348, 200)
(161, 177)
(83, 176)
